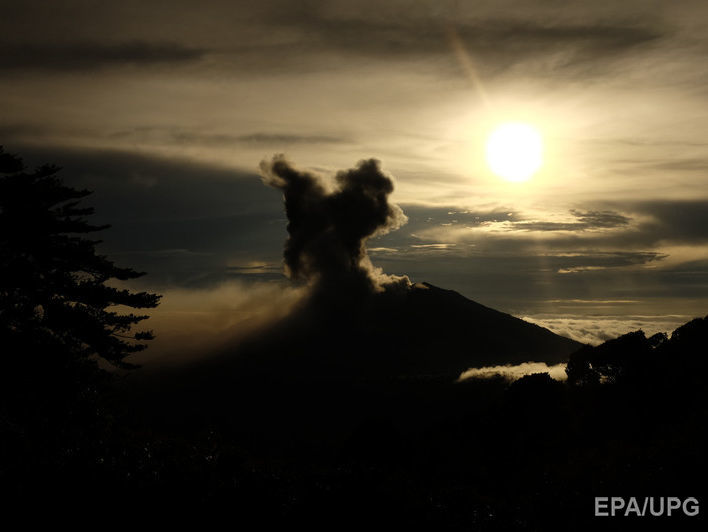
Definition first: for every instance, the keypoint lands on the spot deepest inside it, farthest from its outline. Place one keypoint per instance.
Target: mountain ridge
(421, 330)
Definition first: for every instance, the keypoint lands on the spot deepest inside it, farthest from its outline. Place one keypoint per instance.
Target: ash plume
(328, 226)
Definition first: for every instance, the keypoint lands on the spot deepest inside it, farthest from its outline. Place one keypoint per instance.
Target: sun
(515, 151)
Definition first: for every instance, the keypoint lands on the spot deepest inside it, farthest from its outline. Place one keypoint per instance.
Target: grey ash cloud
(328, 228)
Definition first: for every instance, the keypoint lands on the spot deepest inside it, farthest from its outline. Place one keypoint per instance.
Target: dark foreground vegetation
(480, 454)
(337, 452)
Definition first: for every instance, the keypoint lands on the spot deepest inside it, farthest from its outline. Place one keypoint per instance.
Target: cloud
(195, 323)
(183, 222)
(509, 224)
(138, 186)
(284, 138)
(630, 233)
(395, 33)
(566, 247)
(490, 37)
(280, 36)
(176, 135)
(676, 164)
(675, 221)
(328, 227)
(514, 372)
(586, 221)
(588, 261)
(595, 330)
(88, 56)
(433, 246)
(619, 229)
(256, 268)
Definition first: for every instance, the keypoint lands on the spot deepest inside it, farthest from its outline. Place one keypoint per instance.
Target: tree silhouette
(55, 304)
(620, 359)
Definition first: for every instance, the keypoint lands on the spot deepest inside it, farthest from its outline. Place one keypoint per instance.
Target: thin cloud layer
(598, 329)
(585, 221)
(515, 372)
(89, 56)
(503, 41)
(187, 137)
(277, 37)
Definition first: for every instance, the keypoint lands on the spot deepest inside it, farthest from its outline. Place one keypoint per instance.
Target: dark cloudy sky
(166, 109)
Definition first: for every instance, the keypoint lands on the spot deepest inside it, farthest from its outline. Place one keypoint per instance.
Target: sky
(166, 110)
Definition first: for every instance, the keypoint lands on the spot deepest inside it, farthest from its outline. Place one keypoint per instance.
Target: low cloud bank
(514, 372)
(595, 330)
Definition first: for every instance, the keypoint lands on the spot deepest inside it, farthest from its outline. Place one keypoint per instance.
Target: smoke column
(328, 227)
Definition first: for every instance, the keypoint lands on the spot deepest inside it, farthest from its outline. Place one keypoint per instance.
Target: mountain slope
(337, 358)
(424, 330)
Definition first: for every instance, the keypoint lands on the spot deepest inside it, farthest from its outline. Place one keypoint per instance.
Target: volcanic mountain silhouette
(338, 352)
(421, 330)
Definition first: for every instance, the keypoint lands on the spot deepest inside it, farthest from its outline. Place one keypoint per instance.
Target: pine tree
(56, 304)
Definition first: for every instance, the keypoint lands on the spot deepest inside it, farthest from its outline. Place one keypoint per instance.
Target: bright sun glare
(515, 151)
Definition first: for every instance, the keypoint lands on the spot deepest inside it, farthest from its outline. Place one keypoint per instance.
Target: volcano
(416, 331)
